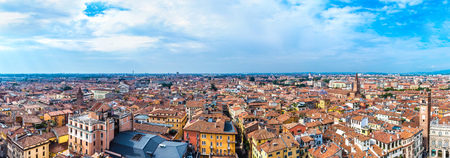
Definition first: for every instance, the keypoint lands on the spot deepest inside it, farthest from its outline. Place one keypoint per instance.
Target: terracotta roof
(217, 127)
(261, 134)
(285, 140)
(325, 151)
(150, 128)
(384, 137)
(61, 131)
(28, 141)
(195, 104)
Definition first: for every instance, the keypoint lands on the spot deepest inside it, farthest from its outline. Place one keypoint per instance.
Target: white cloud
(7, 18)
(403, 3)
(119, 43)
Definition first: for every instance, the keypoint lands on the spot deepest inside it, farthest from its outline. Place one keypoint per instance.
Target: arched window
(433, 152)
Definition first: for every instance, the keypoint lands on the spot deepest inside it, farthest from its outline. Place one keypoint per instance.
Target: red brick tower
(425, 121)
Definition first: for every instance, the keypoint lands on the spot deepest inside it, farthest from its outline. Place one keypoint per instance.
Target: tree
(166, 85)
(213, 87)
(66, 88)
(252, 78)
(326, 80)
(387, 95)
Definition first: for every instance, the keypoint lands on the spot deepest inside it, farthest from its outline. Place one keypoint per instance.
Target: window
(203, 150)
(101, 135)
(220, 144)
(220, 137)
(211, 136)
(203, 143)
(101, 142)
(203, 136)
(94, 135)
(94, 143)
(278, 153)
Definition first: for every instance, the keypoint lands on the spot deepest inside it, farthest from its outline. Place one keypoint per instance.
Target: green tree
(326, 80)
(66, 88)
(252, 78)
(213, 87)
(387, 95)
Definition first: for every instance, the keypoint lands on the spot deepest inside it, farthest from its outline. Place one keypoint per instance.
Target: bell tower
(424, 123)
(356, 84)
(80, 97)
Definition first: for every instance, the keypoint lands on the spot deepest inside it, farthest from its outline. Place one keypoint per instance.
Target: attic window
(137, 137)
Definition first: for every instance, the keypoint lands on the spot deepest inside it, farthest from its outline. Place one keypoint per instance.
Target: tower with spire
(356, 84)
(80, 97)
(355, 88)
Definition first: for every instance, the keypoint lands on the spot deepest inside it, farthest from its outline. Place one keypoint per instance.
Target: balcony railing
(230, 141)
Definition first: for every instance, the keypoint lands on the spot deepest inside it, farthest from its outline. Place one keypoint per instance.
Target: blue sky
(224, 36)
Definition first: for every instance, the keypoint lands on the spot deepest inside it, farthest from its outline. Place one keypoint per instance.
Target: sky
(224, 36)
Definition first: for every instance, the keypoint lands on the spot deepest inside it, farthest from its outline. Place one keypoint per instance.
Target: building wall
(283, 153)
(191, 136)
(41, 151)
(219, 142)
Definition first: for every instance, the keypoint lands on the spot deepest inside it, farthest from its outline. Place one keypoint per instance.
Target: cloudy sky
(224, 36)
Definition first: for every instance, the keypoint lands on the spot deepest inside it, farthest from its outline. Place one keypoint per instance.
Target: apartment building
(93, 130)
(211, 138)
(24, 144)
(177, 120)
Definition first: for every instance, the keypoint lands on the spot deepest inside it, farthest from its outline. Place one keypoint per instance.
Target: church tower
(80, 97)
(356, 84)
(425, 118)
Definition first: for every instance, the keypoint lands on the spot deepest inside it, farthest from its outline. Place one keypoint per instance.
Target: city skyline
(389, 36)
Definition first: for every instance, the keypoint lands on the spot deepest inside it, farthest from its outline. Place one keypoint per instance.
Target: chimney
(398, 137)
(390, 138)
(16, 137)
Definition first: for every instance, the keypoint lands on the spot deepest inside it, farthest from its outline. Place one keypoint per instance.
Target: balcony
(229, 141)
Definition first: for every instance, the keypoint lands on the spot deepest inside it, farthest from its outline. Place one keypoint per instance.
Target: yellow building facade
(177, 119)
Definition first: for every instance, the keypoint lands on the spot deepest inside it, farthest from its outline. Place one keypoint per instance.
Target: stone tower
(356, 84)
(425, 118)
(80, 97)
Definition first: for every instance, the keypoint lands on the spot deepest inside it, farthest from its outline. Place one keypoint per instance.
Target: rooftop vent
(137, 137)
